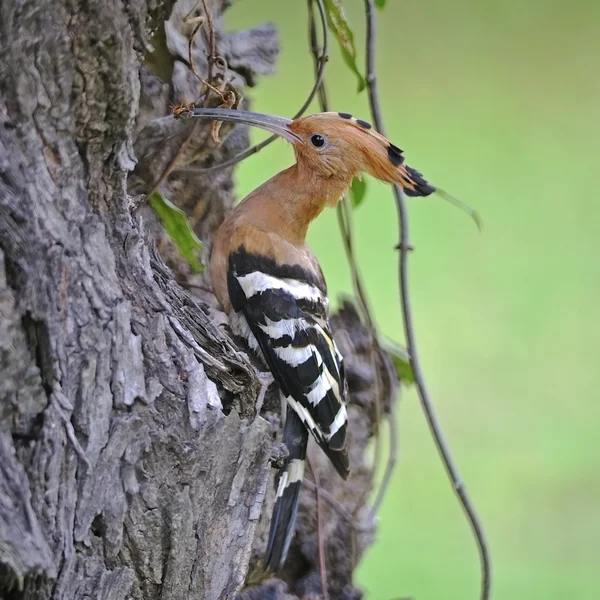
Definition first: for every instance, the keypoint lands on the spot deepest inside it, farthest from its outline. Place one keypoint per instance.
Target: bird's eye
(317, 140)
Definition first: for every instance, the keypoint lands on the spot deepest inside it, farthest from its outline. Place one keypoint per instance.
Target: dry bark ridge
(120, 474)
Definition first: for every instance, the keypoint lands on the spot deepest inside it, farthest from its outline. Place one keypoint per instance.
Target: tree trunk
(132, 464)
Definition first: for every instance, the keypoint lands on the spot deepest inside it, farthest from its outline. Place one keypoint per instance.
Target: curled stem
(258, 147)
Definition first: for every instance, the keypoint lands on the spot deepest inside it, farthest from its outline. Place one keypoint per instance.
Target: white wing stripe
(333, 383)
(338, 422)
(319, 390)
(257, 282)
(239, 326)
(296, 356)
(304, 416)
(277, 329)
(328, 340)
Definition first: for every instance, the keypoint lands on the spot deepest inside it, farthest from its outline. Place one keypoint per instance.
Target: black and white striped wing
(285, 308)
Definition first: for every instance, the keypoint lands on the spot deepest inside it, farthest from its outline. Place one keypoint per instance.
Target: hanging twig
(206, 18)
(320, 532)
(258, 147)
(212, 56)
(345, 224)
(344, 215)
(211, 40)
(428, 409)
(228, 98)
(321, 535)
(173, 162)
(393, 455)
(317, 53)
(333, 502)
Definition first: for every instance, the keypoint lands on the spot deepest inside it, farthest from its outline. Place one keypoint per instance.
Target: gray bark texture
(132, 464)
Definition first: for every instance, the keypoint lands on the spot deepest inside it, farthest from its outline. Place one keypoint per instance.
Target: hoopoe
(270, 284)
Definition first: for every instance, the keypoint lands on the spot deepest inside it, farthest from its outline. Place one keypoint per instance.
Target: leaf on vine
(380, 4)
(357, 191)
(179, 230)
(401, 360)
(340, 27)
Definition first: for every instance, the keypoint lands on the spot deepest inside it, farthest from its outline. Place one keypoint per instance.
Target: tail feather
(295, 437)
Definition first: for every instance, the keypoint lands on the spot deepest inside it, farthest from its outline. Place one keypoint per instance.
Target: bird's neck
(291, 201)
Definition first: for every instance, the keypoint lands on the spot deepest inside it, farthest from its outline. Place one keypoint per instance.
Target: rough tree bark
(131, 462)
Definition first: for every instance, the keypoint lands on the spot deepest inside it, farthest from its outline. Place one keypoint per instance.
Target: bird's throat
(295, 198)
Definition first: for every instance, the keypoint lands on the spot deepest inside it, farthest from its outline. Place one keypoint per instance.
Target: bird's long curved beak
(277, 125)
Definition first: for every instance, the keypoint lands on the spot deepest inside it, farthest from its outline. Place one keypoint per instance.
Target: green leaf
(380, 4)
(177, 226)
(401, 360)
(357, 191)
(338, 24)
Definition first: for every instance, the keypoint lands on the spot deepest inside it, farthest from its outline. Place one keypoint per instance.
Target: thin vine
(320, 529)
(344, 214)
(228, 97)
(405, 248)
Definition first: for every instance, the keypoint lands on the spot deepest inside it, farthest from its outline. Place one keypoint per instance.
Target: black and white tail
(295, 437)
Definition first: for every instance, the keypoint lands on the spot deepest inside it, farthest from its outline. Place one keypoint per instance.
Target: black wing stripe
(247, 263)
(281, 303)
(280, 298)
(338, 457)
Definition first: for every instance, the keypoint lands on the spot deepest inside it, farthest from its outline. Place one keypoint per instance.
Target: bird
(272, 288)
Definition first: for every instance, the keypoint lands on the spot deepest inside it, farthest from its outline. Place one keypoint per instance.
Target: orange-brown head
(333, 146)
(338, 145)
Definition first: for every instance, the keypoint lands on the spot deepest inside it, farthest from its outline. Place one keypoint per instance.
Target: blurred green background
(498, 103)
